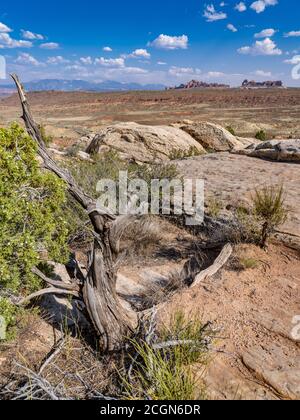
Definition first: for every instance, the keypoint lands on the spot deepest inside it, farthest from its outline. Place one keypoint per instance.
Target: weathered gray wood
(48, 291)
(55, 283)
(220, 261)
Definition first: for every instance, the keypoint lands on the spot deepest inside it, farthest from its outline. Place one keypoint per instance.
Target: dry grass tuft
(143, 233)
(161, 291)
(162, 370)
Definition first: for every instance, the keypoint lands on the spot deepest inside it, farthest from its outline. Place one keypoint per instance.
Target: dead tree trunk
(108, 313)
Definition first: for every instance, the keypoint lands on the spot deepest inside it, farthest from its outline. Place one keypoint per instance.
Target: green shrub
(46, 138)
(248, 263)
(160, 378)
(166, 373)
(183, 154)
(214, 207)
(73, 150)
(156, 171)
(106, 166)
(87, 174)
(187, 329)
(269, 208)
(8, 312)
(261, 135)
(231, 130)
(31, 217)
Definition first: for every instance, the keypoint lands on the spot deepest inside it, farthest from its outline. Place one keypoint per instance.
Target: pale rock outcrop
(275, 368)
(214, 138)
(233, 178)
(246, 142)
(84, 156)
(144, 143)
(279, 150)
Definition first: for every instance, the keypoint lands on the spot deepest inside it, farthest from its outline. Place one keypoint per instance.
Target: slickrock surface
(233, 178)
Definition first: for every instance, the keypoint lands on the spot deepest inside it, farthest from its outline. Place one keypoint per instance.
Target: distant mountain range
(79, 85)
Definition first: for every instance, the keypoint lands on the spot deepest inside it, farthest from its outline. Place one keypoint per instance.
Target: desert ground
(69, 115)
(255, 355)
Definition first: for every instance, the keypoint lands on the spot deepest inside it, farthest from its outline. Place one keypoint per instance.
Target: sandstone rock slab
(144, 143)
(213, 137)
(275, 368)
(233, 178)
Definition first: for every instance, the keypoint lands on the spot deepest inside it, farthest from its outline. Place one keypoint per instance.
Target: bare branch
(175, 343)
(36, 384)
(59, 284)
(53, 353)
(48, 291)
(220, 261)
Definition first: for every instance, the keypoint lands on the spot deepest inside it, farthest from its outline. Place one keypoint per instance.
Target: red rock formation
(268, 84)
(195, 84)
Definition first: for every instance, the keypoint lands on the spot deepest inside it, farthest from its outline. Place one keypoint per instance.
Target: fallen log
(220, 261)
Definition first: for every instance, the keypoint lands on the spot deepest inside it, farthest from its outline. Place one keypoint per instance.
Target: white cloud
(231, 27)
(262, 73)
(139, 53)
(260, 5)
(133, 70)
(212, 15)
(241, 7)
(86, 60)
(57, 60)
(292, 34)
(107, 49)
(271, 2)
(215, 74)
(7, 42)
(30, 35)
(25, 58)
(184, 71)
(110, 62)
(50, 46)
(183, 74)
(161, 63)
(98, 74)
(294, 60)
(76, 68)
(266, 33)
(166, 42)
(265, 47)
(4, 28)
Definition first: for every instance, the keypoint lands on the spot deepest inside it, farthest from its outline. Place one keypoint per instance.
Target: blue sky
(157, 41)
